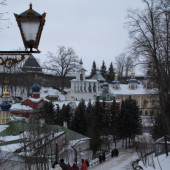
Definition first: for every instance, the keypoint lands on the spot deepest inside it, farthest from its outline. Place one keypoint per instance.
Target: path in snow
(120, 163)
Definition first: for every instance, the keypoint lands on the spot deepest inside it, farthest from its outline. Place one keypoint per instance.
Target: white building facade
(82, 88)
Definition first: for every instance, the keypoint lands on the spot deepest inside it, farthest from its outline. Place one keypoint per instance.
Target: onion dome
(36, 87)
(116, 81)
(105, 84)
(5, 106)
(81, 61)
(133, 79)
(5, 94)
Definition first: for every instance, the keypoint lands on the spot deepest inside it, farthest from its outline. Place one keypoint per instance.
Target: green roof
(16, 128)
(106, 96)
(98, 77)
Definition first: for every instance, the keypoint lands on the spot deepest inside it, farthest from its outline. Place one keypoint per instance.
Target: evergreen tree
(58, 117)
(89, 113)
(94, 129)
(66, 114)
(93, 70)
(48, 112)
(111, 73)
(79, 123)
(104, 120)
(103, 69)
(129, 120)
(114, 111)
(121, 121)
(157, 129)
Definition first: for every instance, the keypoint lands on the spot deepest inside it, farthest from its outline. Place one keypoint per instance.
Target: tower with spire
(82, 88)
(5, 107)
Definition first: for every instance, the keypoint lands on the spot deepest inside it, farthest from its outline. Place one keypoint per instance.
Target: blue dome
(115, 82)
(133, 80)
(36, 87)
(81, 62)
(105, 85)
(5, 106)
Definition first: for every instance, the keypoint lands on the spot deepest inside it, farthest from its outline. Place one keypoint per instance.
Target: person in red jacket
(84, 165)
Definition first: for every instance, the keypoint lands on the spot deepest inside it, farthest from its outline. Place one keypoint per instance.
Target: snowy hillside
(160, 163)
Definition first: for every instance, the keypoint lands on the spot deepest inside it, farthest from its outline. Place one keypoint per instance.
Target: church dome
(105, 84)
(36, 87)
(81, 62)
(115, 82)
(133, 80)
(5, 106)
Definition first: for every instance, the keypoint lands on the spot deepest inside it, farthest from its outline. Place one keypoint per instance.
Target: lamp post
(31, 25)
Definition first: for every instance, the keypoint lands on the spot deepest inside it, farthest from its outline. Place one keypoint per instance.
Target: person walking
(62, 164)
(100, 158)
(112, 153)
(87, 162)
(116, 152)
(103, 157)
(84, 165)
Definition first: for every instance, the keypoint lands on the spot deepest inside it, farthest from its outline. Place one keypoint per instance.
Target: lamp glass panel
(30, 30)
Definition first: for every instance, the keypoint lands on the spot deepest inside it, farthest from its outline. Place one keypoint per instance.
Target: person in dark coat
(103, 157)
(87, 162)
(112, 153)
(116, 152)
(62, 164)
(100, 158)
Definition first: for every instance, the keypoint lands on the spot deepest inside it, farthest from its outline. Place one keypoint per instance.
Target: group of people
(102, 157)
(114, 152)
(63, 166)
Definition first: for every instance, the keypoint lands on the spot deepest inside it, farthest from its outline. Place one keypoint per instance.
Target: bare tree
(150, 35)
(124, 64)
(2, 14)
(63, 63)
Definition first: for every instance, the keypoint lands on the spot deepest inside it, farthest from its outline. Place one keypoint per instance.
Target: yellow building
(145, 95)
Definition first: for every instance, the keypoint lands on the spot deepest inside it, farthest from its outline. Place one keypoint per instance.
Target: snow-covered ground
(160, 163)
(123, 162)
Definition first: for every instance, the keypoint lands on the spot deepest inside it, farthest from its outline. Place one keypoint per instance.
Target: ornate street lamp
(31, 25)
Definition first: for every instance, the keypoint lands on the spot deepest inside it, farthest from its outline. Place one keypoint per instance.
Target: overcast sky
(95, 29)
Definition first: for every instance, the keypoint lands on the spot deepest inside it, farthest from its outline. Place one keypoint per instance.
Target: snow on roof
(10, 138)
(3, 127)
(124, 90)
(61, 103)
(87, 80)
(19, 106)
(36, 100)
(49, 91)
(78, 141)
(11, 147)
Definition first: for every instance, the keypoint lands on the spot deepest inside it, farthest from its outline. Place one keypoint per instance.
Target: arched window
(81, 77)
(89, 87)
